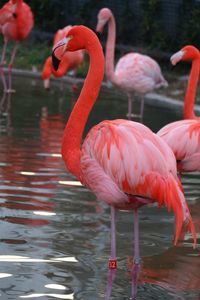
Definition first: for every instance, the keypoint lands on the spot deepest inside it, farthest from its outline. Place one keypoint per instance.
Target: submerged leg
(112, 261)
(2, 101)
(10, 68)
(2, 64)
(136, 263)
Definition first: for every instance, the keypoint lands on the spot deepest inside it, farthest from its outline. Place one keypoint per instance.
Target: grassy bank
(33, 55)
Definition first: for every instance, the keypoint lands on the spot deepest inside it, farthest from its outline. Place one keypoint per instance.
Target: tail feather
(175, 201)
(169, 191)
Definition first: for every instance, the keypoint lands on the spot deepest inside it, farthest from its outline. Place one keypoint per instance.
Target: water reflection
(24, 259)
(55, 235)
(57, 296)
(5, 103)
(176, 269)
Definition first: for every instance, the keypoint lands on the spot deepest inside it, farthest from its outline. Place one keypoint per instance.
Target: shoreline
(151, 98)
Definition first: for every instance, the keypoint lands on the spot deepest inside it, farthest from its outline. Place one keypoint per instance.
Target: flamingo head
(103, 17)
(58, 52)
(186, 53)
(79, 37)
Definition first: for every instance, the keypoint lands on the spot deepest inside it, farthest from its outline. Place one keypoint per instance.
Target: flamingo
(184, 136)
(123, 162)
(134, 73)
(70, 61)
(16, 21)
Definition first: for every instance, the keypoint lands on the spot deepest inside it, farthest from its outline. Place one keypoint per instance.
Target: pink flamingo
(16, 22)
(184, 136)
(134, 72)
(123, 162)
(70, 61)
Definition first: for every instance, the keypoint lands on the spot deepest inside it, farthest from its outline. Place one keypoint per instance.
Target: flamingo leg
(129, 115)
(2, 64)
(142, 109)
(2, 102)
(136, 263)
(112, 261)
(10, 68)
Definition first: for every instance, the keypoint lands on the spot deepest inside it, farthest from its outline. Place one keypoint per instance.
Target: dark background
(155, 24)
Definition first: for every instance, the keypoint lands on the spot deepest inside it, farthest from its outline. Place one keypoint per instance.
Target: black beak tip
(98, 34)
(55, 62)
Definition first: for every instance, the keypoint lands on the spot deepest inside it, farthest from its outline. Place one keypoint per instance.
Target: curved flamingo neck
(188, 111)
(62, 70)
(46, 71)
(110, 49)
(73, 133)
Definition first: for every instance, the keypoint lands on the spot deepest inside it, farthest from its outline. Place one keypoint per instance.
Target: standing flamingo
(16, 20)
(184, 136)
(123, 162)
(70, 61)
(134, 72)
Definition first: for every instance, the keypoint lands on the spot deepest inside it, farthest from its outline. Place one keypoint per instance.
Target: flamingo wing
(183, 137)
(140, 72)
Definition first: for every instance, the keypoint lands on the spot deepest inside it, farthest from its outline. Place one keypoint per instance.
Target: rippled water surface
(54, 234)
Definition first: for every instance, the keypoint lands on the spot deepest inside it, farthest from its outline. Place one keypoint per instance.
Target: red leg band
(112, 264)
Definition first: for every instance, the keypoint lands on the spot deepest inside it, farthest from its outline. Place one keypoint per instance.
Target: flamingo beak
(55, 62)
(100, 25)
(58, 52)
(175, 58)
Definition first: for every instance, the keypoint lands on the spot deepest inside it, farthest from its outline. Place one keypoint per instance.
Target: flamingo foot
(133, 116)
(110, 280)
(10, 91)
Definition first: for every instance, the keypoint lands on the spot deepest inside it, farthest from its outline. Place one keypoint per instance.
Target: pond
(54, 234)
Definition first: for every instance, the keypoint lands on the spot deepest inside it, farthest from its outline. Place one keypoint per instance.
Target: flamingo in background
(16, 22)
(134, 73)
(123, 162)
(184, 136)
(71, 60)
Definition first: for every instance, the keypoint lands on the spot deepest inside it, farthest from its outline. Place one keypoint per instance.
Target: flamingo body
(124, 163)
(16, 26)
(147, 74)
(16, 22)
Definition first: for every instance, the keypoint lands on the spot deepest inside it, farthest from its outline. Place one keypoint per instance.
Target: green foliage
(151, 27)
(124, 32)
(189, 31)
(145, 28)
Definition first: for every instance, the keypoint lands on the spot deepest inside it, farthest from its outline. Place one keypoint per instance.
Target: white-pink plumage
(134, 72)
(183, 137)
(138, 73)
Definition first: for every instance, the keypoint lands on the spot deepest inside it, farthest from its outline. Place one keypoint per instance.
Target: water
(55, 235)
